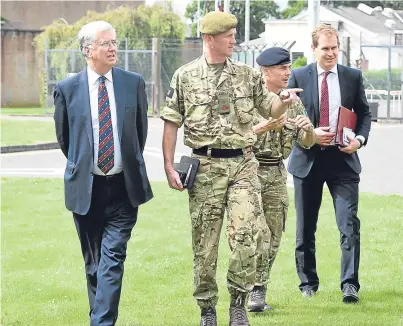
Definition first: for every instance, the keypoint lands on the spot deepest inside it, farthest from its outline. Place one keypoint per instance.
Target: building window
(399, 39)
(296, 55)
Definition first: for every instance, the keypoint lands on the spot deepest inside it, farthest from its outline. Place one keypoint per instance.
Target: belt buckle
(110, 177)
(247, 150)
(208, 153)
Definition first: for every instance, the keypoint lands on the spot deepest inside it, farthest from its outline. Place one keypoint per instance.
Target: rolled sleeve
(263, 98)
(174, 108)
(296, 109)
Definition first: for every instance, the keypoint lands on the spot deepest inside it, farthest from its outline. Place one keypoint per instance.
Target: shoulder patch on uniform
(170, 92)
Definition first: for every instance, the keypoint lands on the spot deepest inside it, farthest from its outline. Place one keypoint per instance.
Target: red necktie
(324, 102)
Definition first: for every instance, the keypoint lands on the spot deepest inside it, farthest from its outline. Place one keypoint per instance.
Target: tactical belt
(221, 153)
(268, 161)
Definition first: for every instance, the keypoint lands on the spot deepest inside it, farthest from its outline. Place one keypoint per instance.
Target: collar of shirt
(204, 66)
(321, 71)
(93, 76)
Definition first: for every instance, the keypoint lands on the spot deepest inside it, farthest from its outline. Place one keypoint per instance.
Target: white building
(363, 25)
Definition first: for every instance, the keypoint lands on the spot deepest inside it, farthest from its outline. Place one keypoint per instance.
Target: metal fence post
(73, 60)
(401, 94)
(389, 75)
(126, 54)
(156, 75)
(46, 76)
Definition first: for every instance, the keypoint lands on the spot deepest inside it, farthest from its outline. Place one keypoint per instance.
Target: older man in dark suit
(101, 126)
(327, 86)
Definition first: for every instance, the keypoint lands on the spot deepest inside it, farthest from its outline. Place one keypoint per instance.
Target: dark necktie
(324, 102)
(106, 148)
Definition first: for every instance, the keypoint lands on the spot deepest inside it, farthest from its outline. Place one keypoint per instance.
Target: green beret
(216, 22)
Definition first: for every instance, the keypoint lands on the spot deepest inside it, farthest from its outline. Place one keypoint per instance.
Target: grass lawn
(28, 111)
(41, 111)
(26, 132)
(44, 283)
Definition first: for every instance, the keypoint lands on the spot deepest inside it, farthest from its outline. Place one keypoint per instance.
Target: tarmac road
(382, 159)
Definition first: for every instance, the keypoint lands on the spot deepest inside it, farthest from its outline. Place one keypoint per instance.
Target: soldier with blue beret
(270, 150)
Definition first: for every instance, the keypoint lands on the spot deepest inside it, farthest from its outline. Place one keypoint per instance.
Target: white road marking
(59, 172)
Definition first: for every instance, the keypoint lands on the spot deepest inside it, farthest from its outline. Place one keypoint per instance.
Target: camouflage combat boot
(208, 317)
(237, 311)
(257, 300)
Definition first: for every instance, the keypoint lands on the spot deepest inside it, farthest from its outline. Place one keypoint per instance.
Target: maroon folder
(346, 118)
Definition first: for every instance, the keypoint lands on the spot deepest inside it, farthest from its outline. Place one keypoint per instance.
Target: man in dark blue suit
(101, 126)
(327, 86)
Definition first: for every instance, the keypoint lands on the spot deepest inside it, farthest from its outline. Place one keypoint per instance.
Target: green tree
(300, 62)
(258, 10)
(294, 8)
(137, 25)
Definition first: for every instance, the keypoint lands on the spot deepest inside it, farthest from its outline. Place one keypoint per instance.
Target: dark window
(399, 39)
(296, 55)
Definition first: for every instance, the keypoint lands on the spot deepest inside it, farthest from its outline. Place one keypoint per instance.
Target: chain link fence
(382, 68)
(60, 63)
(155, 59)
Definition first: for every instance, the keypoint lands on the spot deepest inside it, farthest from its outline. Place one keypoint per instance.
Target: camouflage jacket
(192, 101)
(278, 144)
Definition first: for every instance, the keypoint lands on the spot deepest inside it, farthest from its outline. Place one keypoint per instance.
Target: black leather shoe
(208, 317)
(350, 294)
(308, 292)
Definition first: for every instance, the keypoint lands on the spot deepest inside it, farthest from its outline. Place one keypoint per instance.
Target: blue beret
(273, 57)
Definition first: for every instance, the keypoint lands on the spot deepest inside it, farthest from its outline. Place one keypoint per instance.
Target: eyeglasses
(108, 44)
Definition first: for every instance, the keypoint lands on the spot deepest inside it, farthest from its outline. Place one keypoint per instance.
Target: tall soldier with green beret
(270, 150)
(214, 98)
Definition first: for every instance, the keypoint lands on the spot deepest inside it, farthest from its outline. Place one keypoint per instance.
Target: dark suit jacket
(352, 97)
(75, 136)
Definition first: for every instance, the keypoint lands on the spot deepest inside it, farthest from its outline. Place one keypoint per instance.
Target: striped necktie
(105, 148)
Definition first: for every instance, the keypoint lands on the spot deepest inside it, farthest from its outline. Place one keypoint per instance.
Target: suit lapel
(313, 75)
(120, 98)
(343, 85)
(84, 94)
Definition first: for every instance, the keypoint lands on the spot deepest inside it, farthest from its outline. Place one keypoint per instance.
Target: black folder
(187, 169)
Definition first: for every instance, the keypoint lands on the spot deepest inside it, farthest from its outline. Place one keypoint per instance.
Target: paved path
(382, 159)
(26, 117)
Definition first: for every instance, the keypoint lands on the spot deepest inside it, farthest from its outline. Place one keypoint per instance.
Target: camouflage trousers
(229, 184)
(273, 180)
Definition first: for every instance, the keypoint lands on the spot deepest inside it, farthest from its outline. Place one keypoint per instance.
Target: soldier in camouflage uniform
(214, 98)
(270, 150)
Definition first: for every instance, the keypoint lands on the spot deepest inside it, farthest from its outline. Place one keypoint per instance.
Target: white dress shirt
(333, 85)
(93, 84)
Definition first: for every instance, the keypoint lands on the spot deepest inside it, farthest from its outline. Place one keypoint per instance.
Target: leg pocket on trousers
(203, 184)
(206, 226)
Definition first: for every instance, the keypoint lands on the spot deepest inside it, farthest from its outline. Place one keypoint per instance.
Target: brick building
(20, 80)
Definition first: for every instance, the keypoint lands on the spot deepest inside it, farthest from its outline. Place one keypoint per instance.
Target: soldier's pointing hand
(290, 95)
